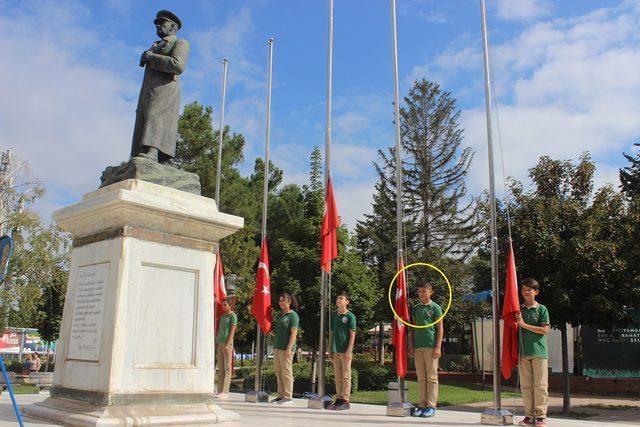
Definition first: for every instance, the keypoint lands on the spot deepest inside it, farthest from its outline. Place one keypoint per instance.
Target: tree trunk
(566, 394)
(381, 344)
(46, 362)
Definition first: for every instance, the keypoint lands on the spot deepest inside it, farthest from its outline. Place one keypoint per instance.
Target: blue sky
(566, 77)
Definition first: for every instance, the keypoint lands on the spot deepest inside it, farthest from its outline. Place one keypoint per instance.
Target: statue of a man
(156, 128)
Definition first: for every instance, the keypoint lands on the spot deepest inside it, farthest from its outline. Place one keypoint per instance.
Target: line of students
(425, 346)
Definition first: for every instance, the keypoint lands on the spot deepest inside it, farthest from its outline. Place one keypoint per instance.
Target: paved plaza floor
(297, 414)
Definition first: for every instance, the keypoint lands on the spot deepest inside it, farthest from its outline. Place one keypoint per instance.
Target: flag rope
(496, 108)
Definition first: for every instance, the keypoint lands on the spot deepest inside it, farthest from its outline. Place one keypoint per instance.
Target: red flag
(510, 307)
(261, 307)
(329, 230)
(219, 291)
(399, 328)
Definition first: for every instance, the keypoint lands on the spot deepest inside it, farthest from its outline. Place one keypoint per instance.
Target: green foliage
(302, 378)
(32, 293)
(630, 175)
(575, 242)
(372, 376)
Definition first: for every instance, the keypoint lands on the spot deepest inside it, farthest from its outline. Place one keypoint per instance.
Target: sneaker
(418, 411)
(276, 400)
(343, 406)
(332, 406)
(526, 421)
(428, 413)
(540, 422)
(222, 396)
(285, 401)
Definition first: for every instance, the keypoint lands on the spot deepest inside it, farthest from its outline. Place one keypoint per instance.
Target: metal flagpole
(402, 410)
(319, 400)
(495, 415)
(258, 395)
(225, 62)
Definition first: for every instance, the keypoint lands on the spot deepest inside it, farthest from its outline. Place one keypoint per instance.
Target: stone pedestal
(136, 341)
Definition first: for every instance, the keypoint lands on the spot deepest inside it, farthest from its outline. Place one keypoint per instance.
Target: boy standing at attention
(425, 345)
(224, 349)
(534, 323)
(342, 334)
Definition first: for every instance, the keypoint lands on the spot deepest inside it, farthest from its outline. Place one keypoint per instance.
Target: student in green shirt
(533, 368)
(286, 331)
(425, 345)
(224, 348)
(342, 334)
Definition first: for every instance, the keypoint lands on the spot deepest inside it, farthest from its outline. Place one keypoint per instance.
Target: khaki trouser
(427, 370)
(342, 375)
(534, 382)
(223, 357)
(284, 373)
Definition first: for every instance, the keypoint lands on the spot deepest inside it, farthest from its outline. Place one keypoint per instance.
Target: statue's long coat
(159, 101)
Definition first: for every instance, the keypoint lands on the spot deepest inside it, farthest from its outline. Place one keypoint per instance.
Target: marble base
(74, 413)
(136, 339)
(496, 417)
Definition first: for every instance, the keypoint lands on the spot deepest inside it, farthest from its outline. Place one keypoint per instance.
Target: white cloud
(565, 86)
(65, 116)
(353, 201)
(523, 10)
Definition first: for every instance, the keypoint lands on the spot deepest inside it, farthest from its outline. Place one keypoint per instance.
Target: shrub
(302, 379)
(372, 376)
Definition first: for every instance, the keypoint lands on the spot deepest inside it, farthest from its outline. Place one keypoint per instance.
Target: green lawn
(448, 395)
(23, 389)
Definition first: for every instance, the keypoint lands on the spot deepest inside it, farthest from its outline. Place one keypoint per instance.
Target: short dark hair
(344, 294)
(532, 283)
(425, 285)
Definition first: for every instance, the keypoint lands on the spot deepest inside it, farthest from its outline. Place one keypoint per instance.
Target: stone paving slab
(297, 414)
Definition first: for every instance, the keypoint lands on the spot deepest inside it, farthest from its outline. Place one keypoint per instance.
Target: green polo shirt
(284, 324)
(341, 325)
(423, 314)
(534, 344)
(224, 327)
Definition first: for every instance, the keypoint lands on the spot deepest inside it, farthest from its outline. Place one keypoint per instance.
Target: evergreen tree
(435, 166)
(630, 175)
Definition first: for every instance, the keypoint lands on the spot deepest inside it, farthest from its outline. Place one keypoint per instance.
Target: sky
(565, 76)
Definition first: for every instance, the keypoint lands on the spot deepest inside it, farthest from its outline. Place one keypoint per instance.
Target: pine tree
(630, 175)
(436, 165)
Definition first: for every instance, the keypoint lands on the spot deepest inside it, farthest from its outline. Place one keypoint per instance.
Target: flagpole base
(398, 409)
(319, 402)
(496, 417)
(256, 397)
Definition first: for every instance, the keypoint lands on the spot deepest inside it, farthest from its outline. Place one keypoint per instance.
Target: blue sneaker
(428, 413)
(418, 412)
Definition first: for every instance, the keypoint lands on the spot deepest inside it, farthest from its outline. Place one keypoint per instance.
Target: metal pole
(326, 278)
(396, 113)
(265, 198)
(492, 197)
(225, 62)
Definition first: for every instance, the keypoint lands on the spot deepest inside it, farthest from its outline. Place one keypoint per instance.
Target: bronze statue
(156, 129)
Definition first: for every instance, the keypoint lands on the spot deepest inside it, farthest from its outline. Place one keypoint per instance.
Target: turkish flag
(219, 291)
(329, 230)
(510, 308)
(261, 307)
(399, 328)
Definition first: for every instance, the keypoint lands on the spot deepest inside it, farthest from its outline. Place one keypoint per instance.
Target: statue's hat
(165, 14)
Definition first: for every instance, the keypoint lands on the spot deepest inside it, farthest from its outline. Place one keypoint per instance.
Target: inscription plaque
(88, 309)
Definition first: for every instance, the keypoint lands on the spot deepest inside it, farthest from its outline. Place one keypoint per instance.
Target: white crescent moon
(264, 266)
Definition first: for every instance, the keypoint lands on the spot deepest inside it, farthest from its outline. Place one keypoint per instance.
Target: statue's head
(167, 23)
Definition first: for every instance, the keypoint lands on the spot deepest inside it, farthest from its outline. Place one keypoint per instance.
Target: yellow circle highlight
(423, 264)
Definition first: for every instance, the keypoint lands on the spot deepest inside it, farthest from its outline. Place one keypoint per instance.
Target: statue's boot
(151, 154)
